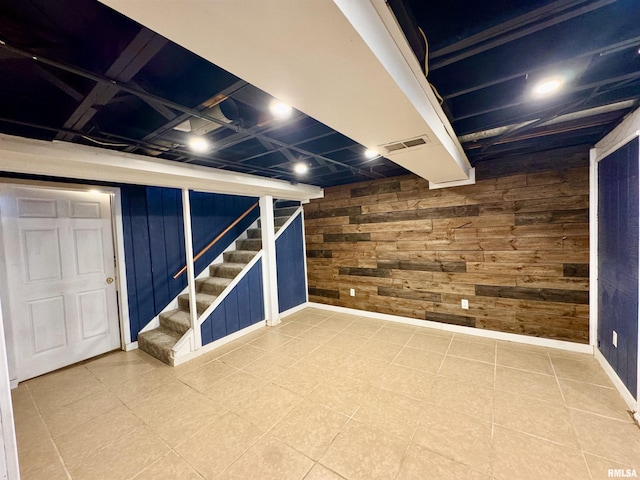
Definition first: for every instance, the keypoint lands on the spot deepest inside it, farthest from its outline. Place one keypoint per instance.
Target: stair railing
(218, 237)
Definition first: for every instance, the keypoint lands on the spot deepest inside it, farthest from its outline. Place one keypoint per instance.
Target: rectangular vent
(404, 144)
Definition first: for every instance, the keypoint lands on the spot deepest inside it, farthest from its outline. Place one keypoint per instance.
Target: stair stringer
(173, 304)
(184, 349)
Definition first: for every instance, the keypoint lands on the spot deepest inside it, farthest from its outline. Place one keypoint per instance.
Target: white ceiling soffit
(69, 160)
(343, 62)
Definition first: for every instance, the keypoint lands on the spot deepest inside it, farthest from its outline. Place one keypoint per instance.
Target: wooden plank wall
(515, 244)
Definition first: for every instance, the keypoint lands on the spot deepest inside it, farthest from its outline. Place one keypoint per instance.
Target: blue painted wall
(154, 242)
(243, 306)
(618, 217)
(292, 280)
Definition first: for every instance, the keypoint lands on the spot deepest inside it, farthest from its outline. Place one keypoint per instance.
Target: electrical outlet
(352, 292)
(464, 303)
(615, 339)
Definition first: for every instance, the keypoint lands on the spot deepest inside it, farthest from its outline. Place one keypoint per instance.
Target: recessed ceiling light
(280, 110)
(547, 87)
(301, 168)
(368, 153)
(199, 144)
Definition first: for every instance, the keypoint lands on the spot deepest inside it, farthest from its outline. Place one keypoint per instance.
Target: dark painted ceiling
(100, 79)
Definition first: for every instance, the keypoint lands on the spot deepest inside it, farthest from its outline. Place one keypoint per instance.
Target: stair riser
(254, 233)
(285, 211)
(224, 271)
(277, 221)
(210, 288)
(183, 303)
(238, 256)
(253, 244)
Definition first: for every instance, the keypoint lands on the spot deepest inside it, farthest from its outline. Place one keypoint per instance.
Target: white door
(59, 260)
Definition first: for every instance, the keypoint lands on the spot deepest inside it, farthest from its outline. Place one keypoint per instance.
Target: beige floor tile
(219, 444)
(132, 388)
(309, 428)
(346, 341)
(362, 453)
(523, 347)
(164, 397)
(269, 459)
(608, 438)
(250, 337)
(342, 394)
(319, 472)
(585, 369)
(292, 328)
(37, 454)
(401, 326)
(123, 458)
(327, 358)
(524, 360)
(338, 323)
(600, 468)
(467, 370)
(536, 385)
(421, 464)
(198, 362)
(379, 349)
(409, 382)
(301, 378)
(463, 397)
(231, 390)
(206, 376)
(364, 369)
(460, 437)
(169, 467)
(522, 457)
(594, 399)
(242, 356)
(420, 359)
(45, 465)
(318, 335)
(363, 329)
(482, 352)
(120, 366)
(266, 406)
(84, 440)
(535, 417)
(433, 343)
(297, 348)
(271, 341)
(474, 339)
(392, 334)
(269, 366)
(390, 413)
(77, 413)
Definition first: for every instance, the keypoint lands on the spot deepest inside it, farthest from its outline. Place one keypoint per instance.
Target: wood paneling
(515, 244)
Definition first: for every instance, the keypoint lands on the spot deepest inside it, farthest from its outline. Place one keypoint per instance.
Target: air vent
(404, 144)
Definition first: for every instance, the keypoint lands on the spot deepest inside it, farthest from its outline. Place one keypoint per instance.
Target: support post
(191, 280)
(269, 268)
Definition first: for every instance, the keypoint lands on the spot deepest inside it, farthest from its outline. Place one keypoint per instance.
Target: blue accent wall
(242, 307)
(154, 242)
(292, 280)
(618, 217)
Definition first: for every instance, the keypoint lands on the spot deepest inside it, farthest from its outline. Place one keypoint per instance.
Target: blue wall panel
(618, 217)
(292, 280)
(243, 306)
(154, 242)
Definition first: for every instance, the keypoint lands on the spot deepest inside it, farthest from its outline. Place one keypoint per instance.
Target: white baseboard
(130, 346)
(617, 382)
(293, 310)
(478, 332)
(218, 343)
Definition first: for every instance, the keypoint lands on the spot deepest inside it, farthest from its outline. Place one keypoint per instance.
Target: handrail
(215, 240)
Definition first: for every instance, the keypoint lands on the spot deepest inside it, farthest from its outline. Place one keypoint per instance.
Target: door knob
(109, 280)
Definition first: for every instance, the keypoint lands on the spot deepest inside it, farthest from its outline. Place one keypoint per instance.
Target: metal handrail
(215, 240)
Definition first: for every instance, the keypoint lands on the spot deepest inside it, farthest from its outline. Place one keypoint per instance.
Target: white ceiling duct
(345, 63)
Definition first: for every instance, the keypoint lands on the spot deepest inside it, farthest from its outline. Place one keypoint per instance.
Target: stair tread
(177, 321)
(159, 343)
(217, 280)
(200, 296)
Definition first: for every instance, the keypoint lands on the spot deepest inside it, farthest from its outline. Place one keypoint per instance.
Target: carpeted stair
(174, 324)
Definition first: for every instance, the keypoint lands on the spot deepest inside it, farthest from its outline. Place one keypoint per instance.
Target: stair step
(178, 321)
(239, 256)
(254, 233)
(253, 244)
(202, 301)
(158, 343)
(226, 270)
(277, 221)
(285, 211)
(212, 285)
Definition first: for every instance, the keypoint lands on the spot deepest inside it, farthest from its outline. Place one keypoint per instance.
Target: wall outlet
(615, 339)
(352, 292)
(464, 303)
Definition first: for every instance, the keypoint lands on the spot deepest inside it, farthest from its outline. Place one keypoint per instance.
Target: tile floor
(328, 396)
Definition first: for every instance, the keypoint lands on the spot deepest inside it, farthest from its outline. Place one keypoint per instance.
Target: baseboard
(218, 343)
(130, 346)
(509, 337)
(293, 310)
(626, 395)
(13, 383)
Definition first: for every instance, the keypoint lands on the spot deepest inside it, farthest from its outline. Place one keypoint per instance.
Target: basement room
(319, 240)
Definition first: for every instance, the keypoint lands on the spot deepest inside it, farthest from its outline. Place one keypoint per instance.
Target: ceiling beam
(56, 81)
(514, 29)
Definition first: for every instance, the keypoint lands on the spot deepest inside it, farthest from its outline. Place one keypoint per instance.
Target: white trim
(63, 159)
(8, 428)
(456, 183)
(509, 337)
(130, 346)
(593, 249)
(121, 265)
(191, 278)
(269, 263)
(218, 343)
(304, 258)
(293, 310)
(603, 152)
(617, 381)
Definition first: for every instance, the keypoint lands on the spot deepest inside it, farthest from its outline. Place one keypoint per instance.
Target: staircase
(174, 324)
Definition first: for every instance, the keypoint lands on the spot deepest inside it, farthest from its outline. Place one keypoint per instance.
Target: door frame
(602, 150)
(117, 232)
